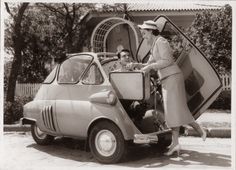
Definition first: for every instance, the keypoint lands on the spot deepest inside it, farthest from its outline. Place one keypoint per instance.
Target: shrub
(223, 101)
(211, 31)
(13, 111)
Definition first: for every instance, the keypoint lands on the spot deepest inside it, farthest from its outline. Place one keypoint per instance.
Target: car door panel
(73, 108)
(202, 82)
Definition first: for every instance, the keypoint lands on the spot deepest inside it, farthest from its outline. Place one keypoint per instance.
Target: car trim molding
(48, 119)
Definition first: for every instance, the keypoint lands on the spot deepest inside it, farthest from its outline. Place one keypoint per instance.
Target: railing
(226, 81)
(29, 89)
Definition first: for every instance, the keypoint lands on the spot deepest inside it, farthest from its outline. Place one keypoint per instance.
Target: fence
(226, 81)
(31, 89)
(27, 89)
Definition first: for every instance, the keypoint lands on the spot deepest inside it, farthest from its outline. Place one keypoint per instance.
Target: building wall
(182, 19)
(119, 35)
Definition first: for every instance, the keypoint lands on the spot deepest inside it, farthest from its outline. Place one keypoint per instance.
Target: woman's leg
(175, 136)
(174, 147)
(199, 129)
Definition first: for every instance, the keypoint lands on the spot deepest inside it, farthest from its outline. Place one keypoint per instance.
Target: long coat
(176, 110)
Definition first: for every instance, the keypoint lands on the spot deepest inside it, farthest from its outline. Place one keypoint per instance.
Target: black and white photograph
(117, 84)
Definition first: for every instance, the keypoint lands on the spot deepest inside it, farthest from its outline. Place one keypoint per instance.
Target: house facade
(111, 31)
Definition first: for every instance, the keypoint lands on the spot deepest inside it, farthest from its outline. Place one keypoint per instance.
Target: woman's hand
(131, 66)
(146, 68)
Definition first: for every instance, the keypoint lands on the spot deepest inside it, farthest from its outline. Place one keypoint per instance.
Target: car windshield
(73, 68)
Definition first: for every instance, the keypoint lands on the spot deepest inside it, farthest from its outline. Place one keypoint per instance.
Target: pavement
(217, 123)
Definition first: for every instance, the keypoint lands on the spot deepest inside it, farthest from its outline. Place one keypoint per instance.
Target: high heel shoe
(173, 150)
(204, 134)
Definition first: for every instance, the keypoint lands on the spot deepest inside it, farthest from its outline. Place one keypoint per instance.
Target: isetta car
(84, 97)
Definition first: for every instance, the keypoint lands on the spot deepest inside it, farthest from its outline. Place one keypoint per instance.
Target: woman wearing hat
(176, 110)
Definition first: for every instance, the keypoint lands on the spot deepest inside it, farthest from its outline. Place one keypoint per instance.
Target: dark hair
(123, 50)
(155, 32)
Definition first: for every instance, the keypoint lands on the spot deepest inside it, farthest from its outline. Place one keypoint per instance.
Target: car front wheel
(107, 143)
(40, 137)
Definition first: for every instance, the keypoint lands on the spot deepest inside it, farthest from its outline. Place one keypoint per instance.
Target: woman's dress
(176, 110)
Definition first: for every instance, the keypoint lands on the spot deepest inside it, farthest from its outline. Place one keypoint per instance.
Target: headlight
(105, 97)
(111, 99)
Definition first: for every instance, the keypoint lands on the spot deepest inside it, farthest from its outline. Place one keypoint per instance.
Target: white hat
(149, 24)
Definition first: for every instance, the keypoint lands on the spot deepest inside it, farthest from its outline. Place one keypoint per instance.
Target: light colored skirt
(176, 110)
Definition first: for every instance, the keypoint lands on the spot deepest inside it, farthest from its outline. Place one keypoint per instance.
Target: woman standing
(176, 110)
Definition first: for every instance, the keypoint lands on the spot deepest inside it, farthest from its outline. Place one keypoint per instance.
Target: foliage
(50, 30)
(212, 33)
(223, 101)
(35, 34)
(7, 68)
(117, 8)
(112, 7)
(13, 111)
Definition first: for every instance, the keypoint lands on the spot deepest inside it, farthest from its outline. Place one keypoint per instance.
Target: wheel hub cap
(105, 143)
(39, 133)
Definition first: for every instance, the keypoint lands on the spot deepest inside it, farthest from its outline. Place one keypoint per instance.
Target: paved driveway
(21, 152)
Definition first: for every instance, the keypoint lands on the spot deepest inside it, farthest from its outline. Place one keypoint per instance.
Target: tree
(61, 31)
(17, 42)
(17, 45)
(38, 34)
(50, 30)
(69, 30)
(117, 8)
(212, 33)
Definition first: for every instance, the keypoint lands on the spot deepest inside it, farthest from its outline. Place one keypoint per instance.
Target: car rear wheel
(40, 137)
(107, 143)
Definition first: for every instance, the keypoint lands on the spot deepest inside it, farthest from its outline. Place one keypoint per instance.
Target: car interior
(136, 96)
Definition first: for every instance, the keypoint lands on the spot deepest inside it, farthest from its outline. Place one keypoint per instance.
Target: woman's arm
(163, 55)
(131, 66)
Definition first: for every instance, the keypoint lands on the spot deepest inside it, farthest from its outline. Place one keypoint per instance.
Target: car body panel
(42, 111)
(65, 109)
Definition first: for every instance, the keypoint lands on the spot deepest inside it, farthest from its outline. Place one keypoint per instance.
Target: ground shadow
(153, 159)
(66, 148)
(138, 155)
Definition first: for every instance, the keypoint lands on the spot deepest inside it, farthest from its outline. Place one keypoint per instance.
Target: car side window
(51, 76)
(93, 76)
(178, 43)
(72, 69)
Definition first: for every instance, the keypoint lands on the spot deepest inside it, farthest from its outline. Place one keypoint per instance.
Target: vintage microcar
(84, 97)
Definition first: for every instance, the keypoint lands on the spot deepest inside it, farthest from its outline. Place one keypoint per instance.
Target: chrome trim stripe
(51, 113)
(45, 112)
(42, 112)
(47, 116)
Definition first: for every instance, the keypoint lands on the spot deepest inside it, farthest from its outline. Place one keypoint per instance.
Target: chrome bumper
(149, 137)
(24, 121)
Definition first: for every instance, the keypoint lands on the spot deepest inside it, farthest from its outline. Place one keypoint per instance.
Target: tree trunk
(15, 69)
(18, 41)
